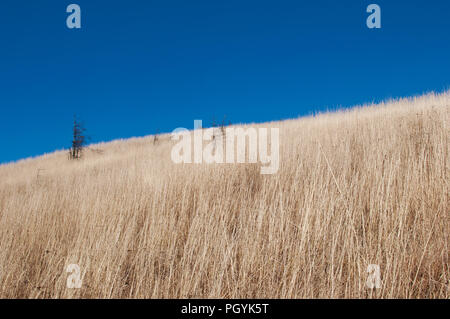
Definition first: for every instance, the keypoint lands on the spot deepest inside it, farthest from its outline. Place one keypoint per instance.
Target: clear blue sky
(136, 67)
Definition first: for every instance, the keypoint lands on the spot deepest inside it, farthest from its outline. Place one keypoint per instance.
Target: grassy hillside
(358, 187)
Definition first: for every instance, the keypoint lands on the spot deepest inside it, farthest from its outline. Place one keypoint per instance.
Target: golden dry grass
(363, 186)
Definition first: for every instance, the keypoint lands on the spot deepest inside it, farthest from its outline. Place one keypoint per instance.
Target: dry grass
(358, 187)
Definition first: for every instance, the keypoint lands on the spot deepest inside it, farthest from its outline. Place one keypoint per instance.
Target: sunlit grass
(358, 187)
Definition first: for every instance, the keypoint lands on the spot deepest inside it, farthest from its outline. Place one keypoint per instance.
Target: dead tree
(78, 140)
(221, 125)
(155, 137)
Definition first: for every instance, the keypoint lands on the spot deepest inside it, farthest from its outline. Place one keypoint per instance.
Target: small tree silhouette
(155, 137)
(221, 125)
(78, 140)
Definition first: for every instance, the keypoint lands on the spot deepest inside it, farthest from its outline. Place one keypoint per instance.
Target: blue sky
(138, 67)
